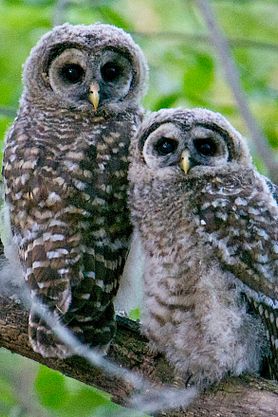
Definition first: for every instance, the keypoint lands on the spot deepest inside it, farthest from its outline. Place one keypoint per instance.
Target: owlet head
(189, 142)
(88, 67)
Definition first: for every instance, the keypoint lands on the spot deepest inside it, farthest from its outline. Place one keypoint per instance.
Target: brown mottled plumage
(208, 224)
(65, 174)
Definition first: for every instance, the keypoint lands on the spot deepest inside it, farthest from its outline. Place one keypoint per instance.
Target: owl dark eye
(72, 73)
(164, 146)
(206, 146)
(110, 71)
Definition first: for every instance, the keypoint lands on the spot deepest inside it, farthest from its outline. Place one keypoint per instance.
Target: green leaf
(68, 397)
(166, 101)
(7, 394)
(260, 165)
(199, 76)
(50, 387)
(4, 124)
(114, 18)
(84, 402)
(135, 314)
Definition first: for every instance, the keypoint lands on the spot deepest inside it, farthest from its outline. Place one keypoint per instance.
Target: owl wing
(36, 194)
(273, 189)
(242, 226)
(106, 241)
(106, 232)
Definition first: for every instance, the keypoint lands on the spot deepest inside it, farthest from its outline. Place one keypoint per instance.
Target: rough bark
(245, 397)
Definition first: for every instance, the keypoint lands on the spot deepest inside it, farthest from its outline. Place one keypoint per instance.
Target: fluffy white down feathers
(209, 232)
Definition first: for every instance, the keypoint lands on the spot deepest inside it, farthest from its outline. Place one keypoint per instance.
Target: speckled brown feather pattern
(65, 171)
(210, 240)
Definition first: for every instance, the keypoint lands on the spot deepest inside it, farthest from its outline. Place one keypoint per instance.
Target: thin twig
(8, 111)
(60, 12)
(233, 79)
(195, 37)
(182, 36)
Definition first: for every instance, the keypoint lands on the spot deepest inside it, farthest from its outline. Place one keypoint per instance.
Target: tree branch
(190, 38)
(233, 79)
(246, 396)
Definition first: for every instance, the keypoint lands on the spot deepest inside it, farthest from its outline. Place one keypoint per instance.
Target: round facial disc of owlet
(208, 222)
(65, 177)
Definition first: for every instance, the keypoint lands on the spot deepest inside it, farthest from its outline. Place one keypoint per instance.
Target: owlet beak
(185, 163)
(94, 95)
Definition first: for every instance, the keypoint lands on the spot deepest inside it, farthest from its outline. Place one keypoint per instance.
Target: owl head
(185, 144)
(96, 67)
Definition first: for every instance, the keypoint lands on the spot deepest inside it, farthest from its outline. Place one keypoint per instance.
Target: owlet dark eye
(72, 73)
(110, 71)
(206, 146)
(165, 146)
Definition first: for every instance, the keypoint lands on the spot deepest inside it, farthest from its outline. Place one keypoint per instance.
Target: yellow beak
(94, 95)
(185, 163)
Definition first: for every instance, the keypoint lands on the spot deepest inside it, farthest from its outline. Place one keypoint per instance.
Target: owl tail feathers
(96, 334)
(44, 341)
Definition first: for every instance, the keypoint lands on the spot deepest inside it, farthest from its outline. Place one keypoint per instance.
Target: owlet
(208, 222)
(65, 176)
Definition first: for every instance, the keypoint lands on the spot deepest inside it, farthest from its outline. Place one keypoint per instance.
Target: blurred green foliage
(31, 390)
(183, 67)
(183, 72)
(66, 397)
